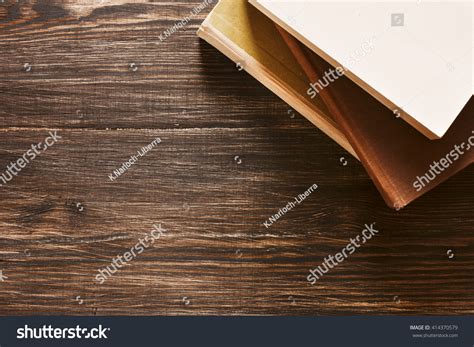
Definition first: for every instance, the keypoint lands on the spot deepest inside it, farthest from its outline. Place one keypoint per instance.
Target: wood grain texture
(62, 218)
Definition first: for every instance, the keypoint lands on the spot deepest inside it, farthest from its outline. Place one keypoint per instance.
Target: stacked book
(385, 80)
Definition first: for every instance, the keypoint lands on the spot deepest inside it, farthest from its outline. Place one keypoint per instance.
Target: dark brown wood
(62, 219)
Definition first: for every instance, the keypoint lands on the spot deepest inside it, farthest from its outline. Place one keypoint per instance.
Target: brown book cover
(402, 162)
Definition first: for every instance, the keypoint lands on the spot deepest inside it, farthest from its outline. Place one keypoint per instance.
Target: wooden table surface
(232, 154)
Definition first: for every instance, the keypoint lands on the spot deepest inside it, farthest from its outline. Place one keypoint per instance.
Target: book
(403, 163)
(397, 158)
(251, 40)
(416, 59)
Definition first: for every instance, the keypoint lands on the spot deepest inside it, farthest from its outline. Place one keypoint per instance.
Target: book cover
(410, 57)
(251, 40)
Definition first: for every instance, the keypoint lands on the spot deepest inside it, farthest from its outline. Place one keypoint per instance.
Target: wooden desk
(232, 154)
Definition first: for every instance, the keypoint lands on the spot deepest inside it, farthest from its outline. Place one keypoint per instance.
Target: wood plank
(80, 75)
(216, 251)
